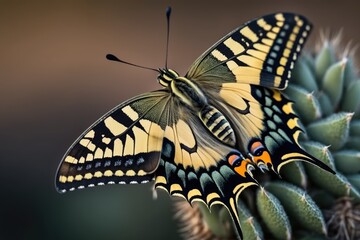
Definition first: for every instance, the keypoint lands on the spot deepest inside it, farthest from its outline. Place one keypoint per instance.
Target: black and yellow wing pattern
(261, 52)
(144, 139)
(244, 72)
(124, 146)
(201, 135)
(198, 167)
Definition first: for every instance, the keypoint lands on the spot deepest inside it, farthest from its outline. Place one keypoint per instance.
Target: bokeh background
(55, 81)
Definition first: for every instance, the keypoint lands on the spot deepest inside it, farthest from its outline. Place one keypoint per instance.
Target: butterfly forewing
(261, 52)
(124, 146)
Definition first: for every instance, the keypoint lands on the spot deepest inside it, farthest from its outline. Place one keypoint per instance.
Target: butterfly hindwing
(282, 130)
(261, 52)
(266, 124)
(124, 146)
(197, 167)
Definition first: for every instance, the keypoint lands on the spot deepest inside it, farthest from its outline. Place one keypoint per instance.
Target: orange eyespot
(239, 164)
(257, 148)
(264, 158)
(260, 154)
(234, 160)
(243, 167)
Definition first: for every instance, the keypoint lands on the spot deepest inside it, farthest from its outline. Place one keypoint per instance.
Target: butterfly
(201, 135)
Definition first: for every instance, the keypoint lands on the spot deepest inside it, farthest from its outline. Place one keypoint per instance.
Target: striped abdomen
(217, 124)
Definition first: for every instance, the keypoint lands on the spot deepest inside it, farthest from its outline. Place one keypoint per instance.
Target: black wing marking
(198, 167)
(124, 146)
(265, 124)
(261, 52)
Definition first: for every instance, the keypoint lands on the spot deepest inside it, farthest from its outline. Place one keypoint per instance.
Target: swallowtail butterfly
(201, 135)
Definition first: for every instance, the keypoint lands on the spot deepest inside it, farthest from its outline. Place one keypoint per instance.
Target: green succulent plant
(307, 202)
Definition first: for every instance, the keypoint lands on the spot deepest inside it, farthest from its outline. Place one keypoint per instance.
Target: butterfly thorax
(194, 98)
(184, 89)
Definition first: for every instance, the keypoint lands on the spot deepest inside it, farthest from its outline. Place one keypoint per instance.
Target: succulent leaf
(295, 173)
(299, 206)
(273, 214)
(332, 130)
(324, 59)
(333, 81)
(303, 76)
(327, 108)
(351, 100)
(307, 106)
(337, 184)
(250, 226)
(320, 151)
(350, 72)
(347, 161)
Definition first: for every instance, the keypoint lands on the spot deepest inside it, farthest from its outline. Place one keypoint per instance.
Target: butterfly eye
(257, 148)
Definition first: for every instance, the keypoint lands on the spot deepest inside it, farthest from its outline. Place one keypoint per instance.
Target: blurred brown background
(55, 82)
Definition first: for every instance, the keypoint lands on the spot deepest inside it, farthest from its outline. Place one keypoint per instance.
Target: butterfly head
(166, 76)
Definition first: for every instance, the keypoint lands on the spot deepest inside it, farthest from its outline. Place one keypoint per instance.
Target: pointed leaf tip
(273, 215)
(332, 130)
(299, 206)
(333, 82)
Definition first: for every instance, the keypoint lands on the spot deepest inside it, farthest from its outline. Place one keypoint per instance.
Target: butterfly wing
(266, 124)
(124, 146)
(237, 73)
(145, 138)
(196, 166)
(261, 52)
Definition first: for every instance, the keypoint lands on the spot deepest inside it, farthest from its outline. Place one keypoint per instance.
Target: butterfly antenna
(112, 57)
(168, 13)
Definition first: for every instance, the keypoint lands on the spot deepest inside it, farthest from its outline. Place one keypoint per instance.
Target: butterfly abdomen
(217, 124)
